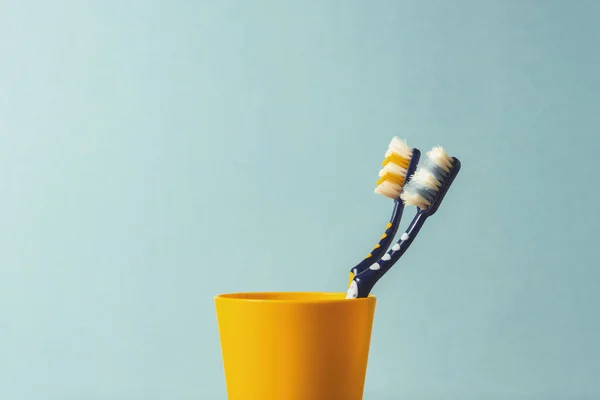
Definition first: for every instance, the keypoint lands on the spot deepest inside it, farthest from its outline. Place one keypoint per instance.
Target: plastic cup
(294, 346)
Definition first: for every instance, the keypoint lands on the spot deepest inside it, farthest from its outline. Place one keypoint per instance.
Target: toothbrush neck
(405, 242)
(369, 277)
(416, 225)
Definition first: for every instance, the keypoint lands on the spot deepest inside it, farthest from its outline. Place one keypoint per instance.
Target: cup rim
(304, 297)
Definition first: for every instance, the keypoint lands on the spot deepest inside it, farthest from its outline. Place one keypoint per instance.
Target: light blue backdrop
(154, 154)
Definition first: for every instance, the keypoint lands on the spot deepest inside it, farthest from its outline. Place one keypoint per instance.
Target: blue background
(154, 154)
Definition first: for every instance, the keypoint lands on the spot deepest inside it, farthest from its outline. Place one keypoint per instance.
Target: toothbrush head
(430, 182)
(397, 166)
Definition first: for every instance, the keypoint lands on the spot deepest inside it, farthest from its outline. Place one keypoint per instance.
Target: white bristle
(439, 156)
(393, 169)
(411, 198)
(399, 147)
(425, 178)
(388, 189)
(425, 183)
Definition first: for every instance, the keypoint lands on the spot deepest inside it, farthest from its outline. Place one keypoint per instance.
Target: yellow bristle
(397, 179)
(393, 168)
(396, 159)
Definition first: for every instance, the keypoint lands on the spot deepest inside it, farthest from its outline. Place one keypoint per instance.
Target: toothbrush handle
(385, 241)
(369, 277)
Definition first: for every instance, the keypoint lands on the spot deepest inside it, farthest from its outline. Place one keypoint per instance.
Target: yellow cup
(294, 346)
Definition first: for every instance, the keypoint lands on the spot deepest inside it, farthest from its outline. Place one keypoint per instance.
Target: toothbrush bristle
(427, 180)
(412, 198)
(389, 189)
(393, 174)
(439, 156)
(393, 169)
(399, 147)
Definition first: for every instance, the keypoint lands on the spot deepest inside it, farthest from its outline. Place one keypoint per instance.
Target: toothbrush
(398, 166)
(426, 189)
